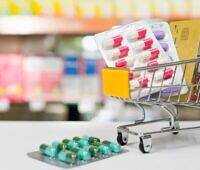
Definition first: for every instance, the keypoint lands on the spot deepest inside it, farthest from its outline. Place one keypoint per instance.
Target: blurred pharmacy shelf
(29, 82)
(30, 25)
(40, 25)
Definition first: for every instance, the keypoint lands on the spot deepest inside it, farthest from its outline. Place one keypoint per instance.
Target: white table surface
(169, 152)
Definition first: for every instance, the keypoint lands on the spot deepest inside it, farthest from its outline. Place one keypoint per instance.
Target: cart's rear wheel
(145, 144)
(122, 140)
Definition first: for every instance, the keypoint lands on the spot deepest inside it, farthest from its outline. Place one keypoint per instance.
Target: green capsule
(43, 147)
(94, 151)
(81, 154)
(48, 150)
(112, 146)
(92, 140)
(62, 155)
(70, 144)
(82, 143)
(67, 157)
(57, 145)
(104, 150)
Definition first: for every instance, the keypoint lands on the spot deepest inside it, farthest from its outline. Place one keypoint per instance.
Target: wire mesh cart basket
(168, 96)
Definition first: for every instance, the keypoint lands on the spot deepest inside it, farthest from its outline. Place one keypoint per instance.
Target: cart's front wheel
(122, 139)
(175, 127)
(175, 133)
(145, 144)
(141, 147)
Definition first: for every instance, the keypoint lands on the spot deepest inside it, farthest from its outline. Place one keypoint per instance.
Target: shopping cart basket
(116, 84)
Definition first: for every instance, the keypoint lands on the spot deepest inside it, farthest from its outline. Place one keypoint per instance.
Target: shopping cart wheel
(175, 127)
(175, 133)
(145, 144)
(122, 138)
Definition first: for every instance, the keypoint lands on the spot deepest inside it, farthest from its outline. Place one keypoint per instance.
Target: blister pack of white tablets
(133, 46)
(163, 34)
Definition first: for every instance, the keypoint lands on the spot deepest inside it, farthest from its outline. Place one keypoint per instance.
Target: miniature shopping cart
(116, 84)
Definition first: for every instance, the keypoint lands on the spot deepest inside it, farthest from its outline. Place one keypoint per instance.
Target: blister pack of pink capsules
(163, 34)
(133, 46)
(129, 46)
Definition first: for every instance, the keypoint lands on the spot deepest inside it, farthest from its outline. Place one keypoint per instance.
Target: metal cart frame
(167, 103)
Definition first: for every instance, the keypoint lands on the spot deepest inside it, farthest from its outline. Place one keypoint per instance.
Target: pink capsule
(125, 62)
(133, 75)
(156, 62)
(141, 33)
(143, 44)
(150, 54)
(112, 42)
(119, 52)
(140, 82)
(138, 34)
(152, 63)
(143, 82)
(167, 74)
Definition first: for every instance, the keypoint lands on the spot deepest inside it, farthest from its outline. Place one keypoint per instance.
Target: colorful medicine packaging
(142, 45)
(163, 34)
(76, 151)
(11, 84)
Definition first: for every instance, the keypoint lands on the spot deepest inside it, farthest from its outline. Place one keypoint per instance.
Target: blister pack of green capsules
(76, 152)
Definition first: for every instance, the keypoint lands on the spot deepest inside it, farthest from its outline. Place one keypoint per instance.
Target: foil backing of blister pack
(37, 155)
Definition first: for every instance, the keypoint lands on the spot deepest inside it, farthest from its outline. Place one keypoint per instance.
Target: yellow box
(116, 82)
(186, 35)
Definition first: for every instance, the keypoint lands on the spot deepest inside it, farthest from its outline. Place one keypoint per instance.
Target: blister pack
(133, 46)
(129, 46)
(76, 152)
(163, 34)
